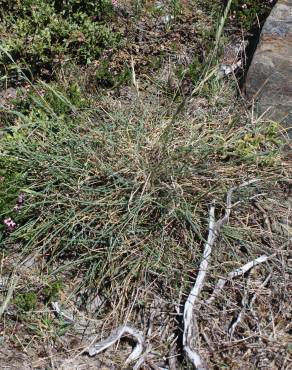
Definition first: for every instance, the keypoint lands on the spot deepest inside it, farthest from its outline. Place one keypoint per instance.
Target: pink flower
(114, 3)
(10, 224)
(19, 203)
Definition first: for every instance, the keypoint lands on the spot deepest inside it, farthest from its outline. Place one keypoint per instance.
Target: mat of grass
(116, 197)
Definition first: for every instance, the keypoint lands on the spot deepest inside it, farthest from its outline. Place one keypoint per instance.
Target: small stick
(238, 272)
(235, 322)
(254, 298)
(172, 357)
(245, 304)
(265, 216)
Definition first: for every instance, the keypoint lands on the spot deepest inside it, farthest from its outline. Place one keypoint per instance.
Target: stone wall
(269, 78)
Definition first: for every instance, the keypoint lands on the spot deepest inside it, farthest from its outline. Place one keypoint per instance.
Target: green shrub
(247, 13)
(106, 78)
(52, 291)
(26, 301)
(40, 34)
(260, 146)
(196, 69)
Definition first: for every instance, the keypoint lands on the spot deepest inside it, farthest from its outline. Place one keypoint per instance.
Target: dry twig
(190, 319)
(124, 330)
(235, 273)
(60, 312)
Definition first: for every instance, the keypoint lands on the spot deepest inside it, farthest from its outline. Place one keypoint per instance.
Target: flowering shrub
(19, 202)
(248, 12)
(9, 224)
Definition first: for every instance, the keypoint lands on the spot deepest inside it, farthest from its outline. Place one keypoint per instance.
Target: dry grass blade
(8, 296)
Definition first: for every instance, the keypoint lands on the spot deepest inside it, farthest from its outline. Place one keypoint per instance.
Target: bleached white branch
(114, 337)
(60, 312)
(233, 274)
(190, 318)
(122, 331)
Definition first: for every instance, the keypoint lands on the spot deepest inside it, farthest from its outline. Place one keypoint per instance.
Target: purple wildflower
(19, 203)
(10, 224)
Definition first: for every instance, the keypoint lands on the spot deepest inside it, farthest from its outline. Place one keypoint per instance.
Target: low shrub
(248, 13)
(39, 35)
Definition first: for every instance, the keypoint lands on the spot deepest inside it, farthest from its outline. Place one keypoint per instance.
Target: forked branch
(192, 303)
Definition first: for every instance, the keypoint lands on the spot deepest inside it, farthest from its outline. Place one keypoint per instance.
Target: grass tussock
(121, 195)
(115, 197)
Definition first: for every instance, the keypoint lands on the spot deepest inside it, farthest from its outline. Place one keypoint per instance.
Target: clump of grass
(119, 195)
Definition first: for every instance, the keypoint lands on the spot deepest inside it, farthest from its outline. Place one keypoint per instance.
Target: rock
(269, 79)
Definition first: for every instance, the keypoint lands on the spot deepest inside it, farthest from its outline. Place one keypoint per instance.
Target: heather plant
(26, 301)
(248, 13)
(40, 35)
